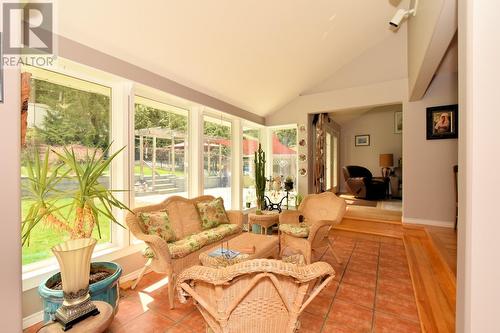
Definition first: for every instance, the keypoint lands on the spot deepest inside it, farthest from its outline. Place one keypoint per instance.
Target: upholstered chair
(261, 295)
(319, 212)
(361, 183)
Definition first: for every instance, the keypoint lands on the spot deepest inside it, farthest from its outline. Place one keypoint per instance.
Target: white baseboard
(133, 275)
(38, 316)
(436, 223)
(32, 319)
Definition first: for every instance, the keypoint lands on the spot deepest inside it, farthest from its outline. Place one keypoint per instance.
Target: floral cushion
(212, 213)
(157, 223)
(296, 230)
(195, 242)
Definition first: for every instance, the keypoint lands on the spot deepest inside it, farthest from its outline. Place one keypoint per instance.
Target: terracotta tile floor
(372, 292)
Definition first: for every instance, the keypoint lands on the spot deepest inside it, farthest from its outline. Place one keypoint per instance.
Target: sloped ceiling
(255, 55)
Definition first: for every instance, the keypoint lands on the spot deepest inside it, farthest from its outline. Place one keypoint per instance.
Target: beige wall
(10, 244)
(428, 190)
(379, 124)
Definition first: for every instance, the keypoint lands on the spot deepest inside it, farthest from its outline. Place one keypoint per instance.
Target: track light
(402, 14)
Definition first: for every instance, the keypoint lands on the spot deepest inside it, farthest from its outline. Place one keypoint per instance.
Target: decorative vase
(106, 290)
(74, 261)
(288, 185)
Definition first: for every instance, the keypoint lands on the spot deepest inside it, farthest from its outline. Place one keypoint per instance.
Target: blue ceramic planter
(106, 290)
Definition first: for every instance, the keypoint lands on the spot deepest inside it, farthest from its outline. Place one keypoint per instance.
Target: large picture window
(160, 168)
(217, 158)
(63, 111)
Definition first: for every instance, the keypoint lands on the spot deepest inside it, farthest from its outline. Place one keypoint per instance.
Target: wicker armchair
(185, 221)
(320, 212)
(260, 295)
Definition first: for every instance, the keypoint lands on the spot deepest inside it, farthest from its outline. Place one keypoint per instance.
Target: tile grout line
(376, 287)
(338, 287)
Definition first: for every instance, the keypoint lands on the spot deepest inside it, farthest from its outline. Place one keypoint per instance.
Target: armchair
(361, 183)
(258, 295)
(321, 212)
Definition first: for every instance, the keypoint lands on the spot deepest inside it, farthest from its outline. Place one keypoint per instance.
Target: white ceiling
(257, 55)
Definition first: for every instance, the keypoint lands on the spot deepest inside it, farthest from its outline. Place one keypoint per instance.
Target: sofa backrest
(184, 215)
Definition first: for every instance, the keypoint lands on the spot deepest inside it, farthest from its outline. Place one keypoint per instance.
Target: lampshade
(386, 160)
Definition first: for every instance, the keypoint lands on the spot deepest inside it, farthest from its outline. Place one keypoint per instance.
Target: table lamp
(386, 162)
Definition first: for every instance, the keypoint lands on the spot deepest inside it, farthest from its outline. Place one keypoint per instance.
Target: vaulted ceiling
(257, 55)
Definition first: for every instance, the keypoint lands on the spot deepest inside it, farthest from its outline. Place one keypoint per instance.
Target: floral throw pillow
(212, 213)
(157, 223)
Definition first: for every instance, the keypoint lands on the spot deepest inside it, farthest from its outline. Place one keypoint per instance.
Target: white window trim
(33, 274)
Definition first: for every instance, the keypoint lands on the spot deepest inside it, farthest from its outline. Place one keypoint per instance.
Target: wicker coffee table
(265, 247)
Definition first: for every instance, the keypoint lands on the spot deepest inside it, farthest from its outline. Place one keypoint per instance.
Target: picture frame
(362, 140)
(442, 122)
(398, 122)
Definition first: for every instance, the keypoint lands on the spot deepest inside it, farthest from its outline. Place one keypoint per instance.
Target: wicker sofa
(172, 257)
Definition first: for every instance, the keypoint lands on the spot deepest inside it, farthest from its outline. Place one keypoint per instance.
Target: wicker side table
(95, 324)
(265, 220)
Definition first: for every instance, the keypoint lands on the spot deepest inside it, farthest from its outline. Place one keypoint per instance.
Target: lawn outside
(43, 237)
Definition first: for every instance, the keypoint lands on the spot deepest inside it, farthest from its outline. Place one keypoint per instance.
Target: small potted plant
(288, 184)
(89, 203)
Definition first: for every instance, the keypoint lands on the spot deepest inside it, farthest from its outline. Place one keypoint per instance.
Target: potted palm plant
(90, 202)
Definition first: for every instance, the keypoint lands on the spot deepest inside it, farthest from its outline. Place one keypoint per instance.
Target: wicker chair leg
(337, 259)
(171, 290)
(141, 273)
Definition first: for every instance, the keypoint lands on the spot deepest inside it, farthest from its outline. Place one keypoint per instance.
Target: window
(160, 162)
(284, 152)
(217, 158)
(63, 111)
(251, 140)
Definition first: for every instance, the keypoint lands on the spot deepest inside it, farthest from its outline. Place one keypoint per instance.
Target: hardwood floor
(373, 214)
(445, 240)
(433, 281)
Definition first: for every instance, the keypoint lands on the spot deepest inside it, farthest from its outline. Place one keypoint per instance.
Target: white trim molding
(436, 223)
(32, 319)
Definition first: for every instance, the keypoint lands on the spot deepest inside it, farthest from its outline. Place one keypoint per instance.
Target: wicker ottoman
(265, 247)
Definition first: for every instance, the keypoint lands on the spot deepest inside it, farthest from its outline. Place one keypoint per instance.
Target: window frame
(162, 99)
(217, 115)
(78, 73)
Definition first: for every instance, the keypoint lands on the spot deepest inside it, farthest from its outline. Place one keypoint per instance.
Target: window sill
(33, 278)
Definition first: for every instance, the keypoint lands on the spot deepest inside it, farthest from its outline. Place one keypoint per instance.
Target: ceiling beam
(429, 36)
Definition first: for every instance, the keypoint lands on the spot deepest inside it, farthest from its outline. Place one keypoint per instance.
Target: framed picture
(442, 122)
(362, 140)
(398, 122)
